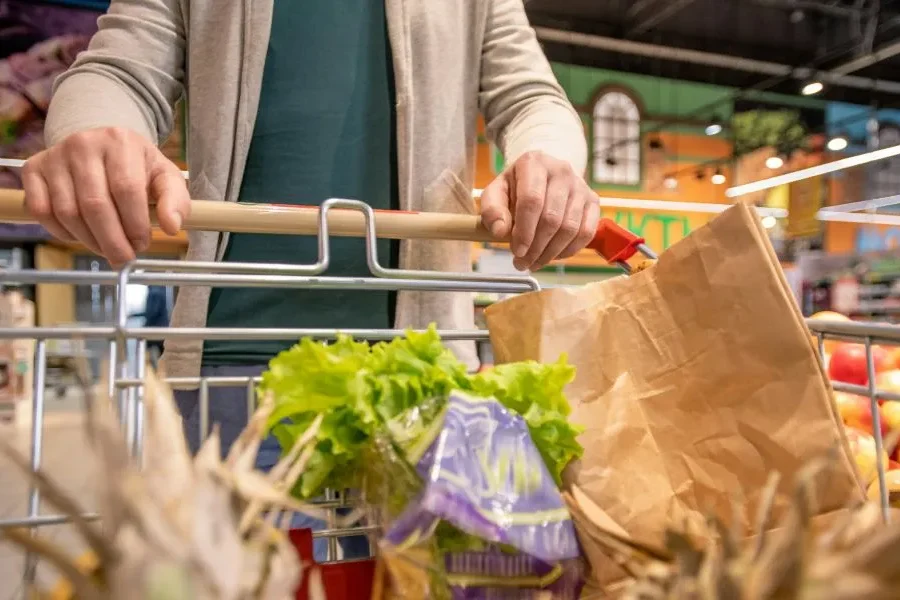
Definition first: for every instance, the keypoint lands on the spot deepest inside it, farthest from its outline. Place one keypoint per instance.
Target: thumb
(495, 210)
(168, 190)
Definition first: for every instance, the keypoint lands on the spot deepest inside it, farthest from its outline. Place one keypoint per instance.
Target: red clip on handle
(614, 243)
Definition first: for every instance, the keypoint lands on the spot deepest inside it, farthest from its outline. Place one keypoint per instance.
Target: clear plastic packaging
(481, 516)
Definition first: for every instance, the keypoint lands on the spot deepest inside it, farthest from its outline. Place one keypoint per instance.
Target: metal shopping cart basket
(342, 579)
(350, 579)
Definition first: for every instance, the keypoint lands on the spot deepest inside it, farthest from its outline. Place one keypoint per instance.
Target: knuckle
(92, 201)
(553, 219)
(119, 135)
(39, 210)
(560, 169)
(570, 227)
(33, 165)
(585, 234)
(123, 186)
(78, 144)
(530, 201)
(66, 212)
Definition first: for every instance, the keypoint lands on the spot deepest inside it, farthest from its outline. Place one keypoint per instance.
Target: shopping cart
(343, 579)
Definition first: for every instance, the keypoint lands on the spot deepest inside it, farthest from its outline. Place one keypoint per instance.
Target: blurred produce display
(38, 41)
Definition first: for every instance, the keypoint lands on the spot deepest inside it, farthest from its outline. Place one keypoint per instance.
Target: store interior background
(680, 100)
(660, 127)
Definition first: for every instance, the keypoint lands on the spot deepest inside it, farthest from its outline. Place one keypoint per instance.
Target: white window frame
(884, 175)
(616, 129)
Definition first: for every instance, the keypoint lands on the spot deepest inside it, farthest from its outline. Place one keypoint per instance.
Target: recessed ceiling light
(714, 128)
(775, 162)
(812, 88)
(836, 144)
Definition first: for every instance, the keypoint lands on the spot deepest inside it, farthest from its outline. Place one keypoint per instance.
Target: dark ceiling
(816, 34)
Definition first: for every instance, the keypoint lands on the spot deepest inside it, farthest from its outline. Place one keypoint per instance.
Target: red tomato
(848, 363)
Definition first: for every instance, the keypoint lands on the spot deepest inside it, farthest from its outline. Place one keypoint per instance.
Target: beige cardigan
(452, 59)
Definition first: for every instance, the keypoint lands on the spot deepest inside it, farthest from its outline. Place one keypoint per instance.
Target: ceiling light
(836, 144)
(670, 183)
(714, 127)
(831, 167)
(775, 162)
(718, 178)
(812, 88)
(769, 221)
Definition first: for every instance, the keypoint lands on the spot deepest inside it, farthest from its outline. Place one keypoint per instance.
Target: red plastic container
(351, 580)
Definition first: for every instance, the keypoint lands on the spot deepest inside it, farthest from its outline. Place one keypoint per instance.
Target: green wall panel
(659, 96)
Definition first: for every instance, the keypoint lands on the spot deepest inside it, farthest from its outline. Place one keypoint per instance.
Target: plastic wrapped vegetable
(483, 475)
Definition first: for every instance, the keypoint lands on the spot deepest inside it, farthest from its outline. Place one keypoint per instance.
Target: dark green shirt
(325, 129)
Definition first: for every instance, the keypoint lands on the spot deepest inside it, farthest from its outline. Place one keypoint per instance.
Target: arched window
(617, 140)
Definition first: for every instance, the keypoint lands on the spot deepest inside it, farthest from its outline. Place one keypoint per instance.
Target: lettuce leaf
(362, 390)
(535, 391)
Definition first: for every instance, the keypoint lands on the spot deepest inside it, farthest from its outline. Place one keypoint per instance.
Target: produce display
(846, 363)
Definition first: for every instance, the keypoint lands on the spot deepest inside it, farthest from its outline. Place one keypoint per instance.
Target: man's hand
(548, 208)
(96, 187)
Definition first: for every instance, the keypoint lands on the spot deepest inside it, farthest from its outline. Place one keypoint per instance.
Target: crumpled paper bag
(695, 379)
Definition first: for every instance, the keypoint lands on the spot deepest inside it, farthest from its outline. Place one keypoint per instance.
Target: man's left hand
(544, 206)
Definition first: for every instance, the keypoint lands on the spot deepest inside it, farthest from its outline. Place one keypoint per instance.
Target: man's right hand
(96, 187)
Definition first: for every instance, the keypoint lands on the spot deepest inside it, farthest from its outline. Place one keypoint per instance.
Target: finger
(37, 201)
(530, 187)
(65, 207)
(559, 192)
(495, 208)
(588, 228)
(568, 230)
(97, 209)
(168, 191)
(126, 178)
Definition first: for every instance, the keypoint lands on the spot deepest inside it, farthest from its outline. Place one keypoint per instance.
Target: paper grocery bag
(695, 379)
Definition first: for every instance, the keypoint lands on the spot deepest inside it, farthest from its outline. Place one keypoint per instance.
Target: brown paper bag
(695, 379)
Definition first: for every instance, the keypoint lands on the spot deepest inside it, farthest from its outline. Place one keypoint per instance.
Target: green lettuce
(397, 388)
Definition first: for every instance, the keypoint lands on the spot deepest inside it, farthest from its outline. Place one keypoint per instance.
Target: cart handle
(612, 242)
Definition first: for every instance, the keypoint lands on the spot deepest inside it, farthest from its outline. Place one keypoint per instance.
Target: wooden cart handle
(612, 242)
